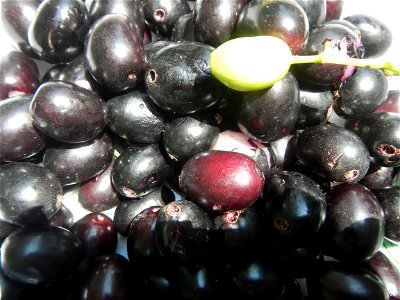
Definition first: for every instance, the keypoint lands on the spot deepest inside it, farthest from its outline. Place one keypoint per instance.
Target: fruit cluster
(240, 148)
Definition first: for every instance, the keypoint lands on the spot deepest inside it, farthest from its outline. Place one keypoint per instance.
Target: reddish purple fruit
(221, 180)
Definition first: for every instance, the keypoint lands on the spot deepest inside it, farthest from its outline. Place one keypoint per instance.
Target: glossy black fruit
(389, 198)
(376, 36)
(98, 193)
(97, 233)
(295, 207)
(140, 170)
(354, 227)
(16, 17)
(214, 20)
(19, 74)
(333, 151)
(19, 139)
(114, 53)
(75, 163)
(187, 136)
(380, 133)
(187, 87)
(29, 193)
(335, 280)
(183, 230)
(59, 37)
(134, 117)
(361, 94)
(269, 114)
(67, 112)
(40, 254)
(161, 15)
(128, 209)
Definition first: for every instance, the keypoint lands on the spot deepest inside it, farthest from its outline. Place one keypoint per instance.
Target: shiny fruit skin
(108, 277)
(380, 133)
(32, 254)
(188, 87)
(67, 112)
(75, 163)
(295, 207)
(334, 280)
(133, 9)
(183, 231)
(376, 36)
(58, 30)
(140, 170)
(134, 117)
(128, 209)
(269, 114)
(97, 233)
(344, 39)
(389, 198)
(16, 17)
(272, 17)
(187, 136)
(221, 180)
(378, 177)
(315, 11)
(161, 15)
(29, 193)
(98, 194)
(360, 94)
(381, 266)
(334, 151)
(214, 20)
(115, 68)
(19, 75)
(354, 226)
(19, 138)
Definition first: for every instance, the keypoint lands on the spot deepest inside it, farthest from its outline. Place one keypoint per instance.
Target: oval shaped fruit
(114, 53)
(221, 180)
(283, 19)
(188, 86)
(183, 230)
(58, 30)
(187, 136)
(133, 116)
(140, 170)
(67, 112)
(127, 210)
(376, 36)
(269, 114)
(354, 227)
(97, 233)
(295, 207)
(98, 193)
(267, 61)
(29, 193)
(161, 15)
(75, 163)
(19, 139)
(109, 275)
(19, 74)
(361, 94)
(214, 19)
(334, 280)
(16, 16)
(389, 198)
(380, 133)
(40, 254)
(334, 151)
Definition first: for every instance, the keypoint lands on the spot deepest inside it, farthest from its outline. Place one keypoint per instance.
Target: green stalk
(328, 57)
